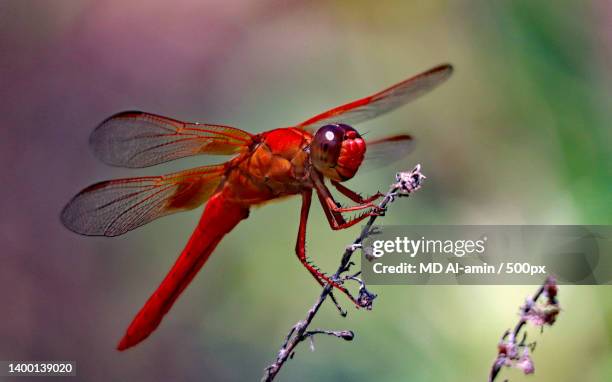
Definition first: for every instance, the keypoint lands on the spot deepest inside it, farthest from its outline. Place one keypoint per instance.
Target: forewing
(115, 207)
(384, 101)
(385, 151)
(138, 139)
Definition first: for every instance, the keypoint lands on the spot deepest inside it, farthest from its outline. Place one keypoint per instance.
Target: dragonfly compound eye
(337, 150)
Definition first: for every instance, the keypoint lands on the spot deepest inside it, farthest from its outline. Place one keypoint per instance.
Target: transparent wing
(138, 139)
(115, 207)
(382, 102)
(386, 151)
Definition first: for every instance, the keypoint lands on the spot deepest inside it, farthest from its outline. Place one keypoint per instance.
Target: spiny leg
(354, 196)
(334, 213)
(336, 221)
(300, 247)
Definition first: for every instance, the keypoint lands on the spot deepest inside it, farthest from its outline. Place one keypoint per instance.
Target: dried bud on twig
(525, 364)
(410, 181)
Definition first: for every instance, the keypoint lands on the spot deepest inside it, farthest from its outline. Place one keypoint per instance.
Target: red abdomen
(219, 218)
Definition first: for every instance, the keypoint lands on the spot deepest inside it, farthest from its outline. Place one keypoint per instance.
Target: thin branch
(406, 183)
(514, 353)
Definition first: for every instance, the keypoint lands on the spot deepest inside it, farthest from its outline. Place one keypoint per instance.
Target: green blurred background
(519, 135)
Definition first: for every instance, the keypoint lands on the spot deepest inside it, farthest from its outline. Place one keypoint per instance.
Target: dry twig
(406, 183)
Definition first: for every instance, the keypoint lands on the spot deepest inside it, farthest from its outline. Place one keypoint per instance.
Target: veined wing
(383, 101)
(138, 139)
(385, 151)
(114, 207)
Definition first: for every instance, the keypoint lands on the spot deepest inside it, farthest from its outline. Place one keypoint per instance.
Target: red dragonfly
(266, 166)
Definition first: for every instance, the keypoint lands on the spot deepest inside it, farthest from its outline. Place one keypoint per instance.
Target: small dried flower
(512, 352)
(541, 315)
(525, 363)
(409, 182)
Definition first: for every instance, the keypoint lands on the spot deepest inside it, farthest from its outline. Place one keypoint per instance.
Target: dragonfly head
(337, 151)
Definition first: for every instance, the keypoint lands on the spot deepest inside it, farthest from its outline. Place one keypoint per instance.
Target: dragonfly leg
(354, 196)
(334, 213)
(300, 248)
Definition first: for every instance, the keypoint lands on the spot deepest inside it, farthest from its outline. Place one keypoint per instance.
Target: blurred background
(519, 135)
